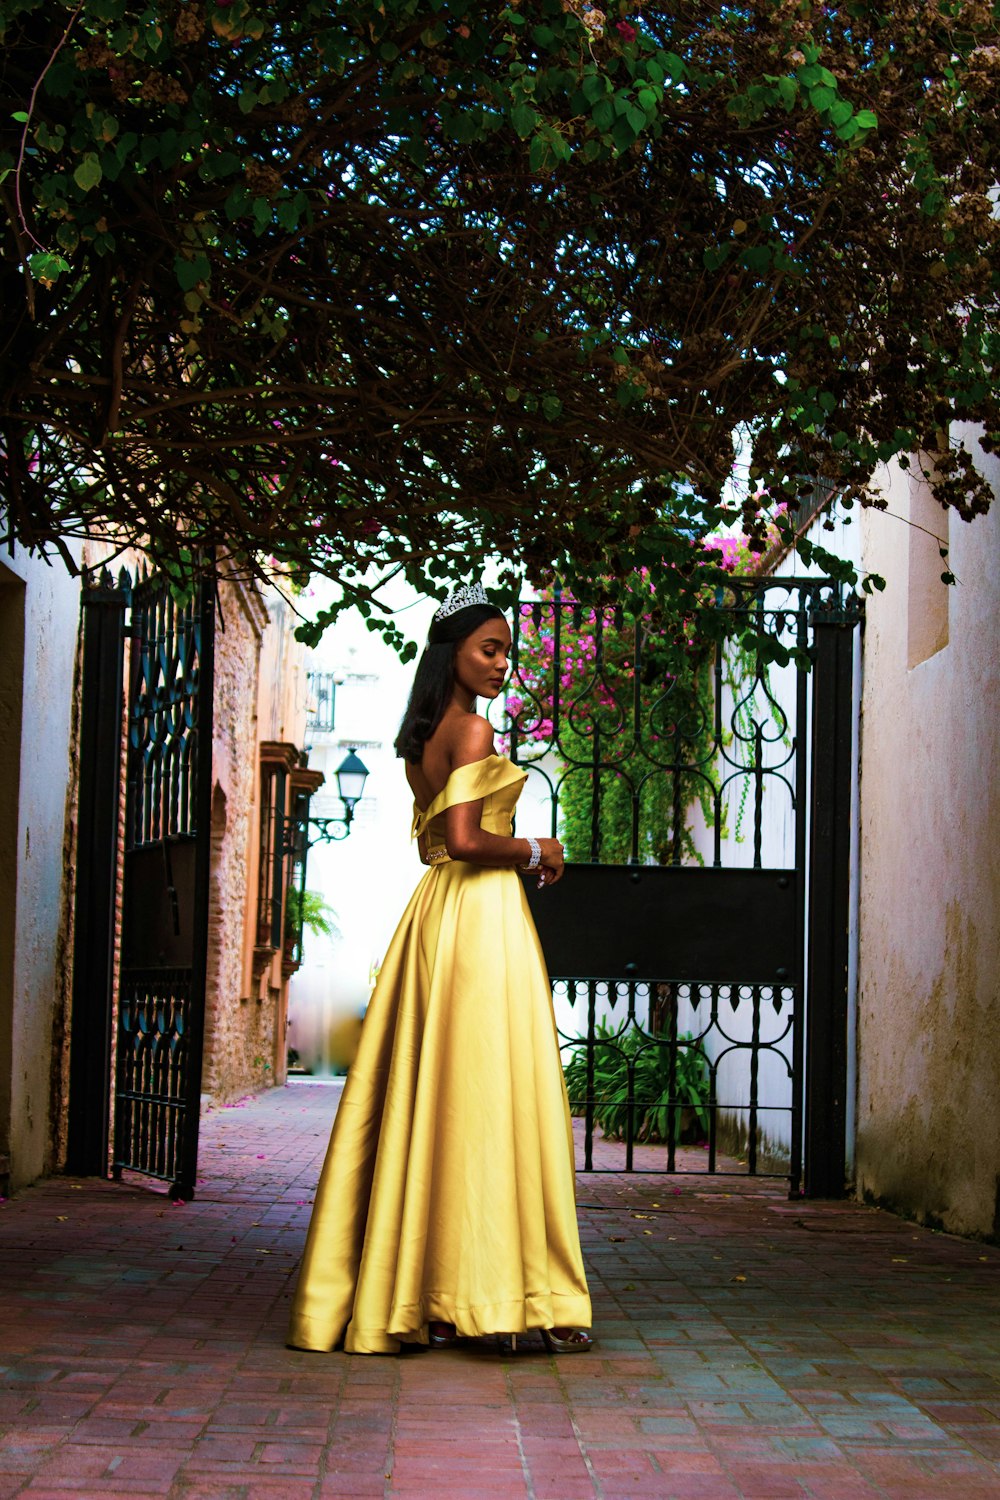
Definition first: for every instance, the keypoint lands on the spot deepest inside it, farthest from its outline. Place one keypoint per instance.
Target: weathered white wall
(928, 1138)
(34, 767)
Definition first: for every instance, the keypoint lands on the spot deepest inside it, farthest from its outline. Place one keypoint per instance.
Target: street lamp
(303, 831)
(351, 774)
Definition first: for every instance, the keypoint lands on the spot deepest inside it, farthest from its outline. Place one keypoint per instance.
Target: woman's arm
(467, 841)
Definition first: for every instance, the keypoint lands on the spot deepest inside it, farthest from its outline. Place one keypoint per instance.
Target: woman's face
(481, 659)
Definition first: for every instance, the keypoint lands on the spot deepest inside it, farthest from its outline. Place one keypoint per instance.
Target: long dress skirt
(448, 1191)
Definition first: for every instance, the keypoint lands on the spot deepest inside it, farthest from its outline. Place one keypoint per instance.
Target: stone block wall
(238, 1054)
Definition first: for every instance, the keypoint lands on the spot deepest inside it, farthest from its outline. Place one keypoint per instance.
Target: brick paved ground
(749, 1347)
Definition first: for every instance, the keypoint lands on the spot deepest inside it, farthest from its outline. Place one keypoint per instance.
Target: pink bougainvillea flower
(625, 30)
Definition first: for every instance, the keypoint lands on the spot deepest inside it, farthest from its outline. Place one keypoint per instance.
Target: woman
(446, 1205)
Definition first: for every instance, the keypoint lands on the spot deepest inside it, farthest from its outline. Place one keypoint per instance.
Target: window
(323, 701)
(270, 881)
(927, 596)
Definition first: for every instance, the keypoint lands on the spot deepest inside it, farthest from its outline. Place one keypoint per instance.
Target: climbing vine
(380, 286)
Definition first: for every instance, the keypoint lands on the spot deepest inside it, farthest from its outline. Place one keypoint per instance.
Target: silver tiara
(470, 593)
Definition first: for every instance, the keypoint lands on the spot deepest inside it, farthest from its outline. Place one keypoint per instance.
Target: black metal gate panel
(165, 884)
(103, 605)
(699, 945)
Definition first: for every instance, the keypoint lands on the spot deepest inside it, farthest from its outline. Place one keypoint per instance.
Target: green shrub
(649, 1059)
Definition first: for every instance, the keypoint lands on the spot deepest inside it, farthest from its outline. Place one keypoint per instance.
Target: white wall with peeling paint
(39, 616)
(928, 1130)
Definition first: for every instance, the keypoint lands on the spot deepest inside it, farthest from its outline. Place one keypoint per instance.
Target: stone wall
(928, 1136)
(281, 731)
(259, 699)
(234, 1019)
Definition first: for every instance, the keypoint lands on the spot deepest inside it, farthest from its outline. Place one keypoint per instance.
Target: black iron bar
(800, 808)
(713, 1098)
(674, 1105)
(716, 747)
(758, 800)
(629, 1113)
(103, 606)
(588, 1135)
(829, 883)
(754, 1072)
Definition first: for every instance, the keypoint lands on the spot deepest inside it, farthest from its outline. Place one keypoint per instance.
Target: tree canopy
(355, 282)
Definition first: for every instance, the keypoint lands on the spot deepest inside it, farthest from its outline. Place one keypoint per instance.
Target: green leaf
(512, 393)
(238, 202)
(603, 114)
(675, 66)
(47, 267)
(866, 119)
(20, 116)
(540, 154)
(623, 133)
(595, 86)
(524, 119)
(89, 173)
(788, 91)
(461, 125)
(822, 97)
(191, 271)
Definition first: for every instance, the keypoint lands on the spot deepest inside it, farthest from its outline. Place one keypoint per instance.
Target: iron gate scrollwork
(165, 884)
(698, 946)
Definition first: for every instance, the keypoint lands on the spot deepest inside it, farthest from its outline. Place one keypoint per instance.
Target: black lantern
(352, 773)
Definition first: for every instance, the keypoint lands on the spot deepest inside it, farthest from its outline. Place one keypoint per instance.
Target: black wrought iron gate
(161, 957)
(699, 944)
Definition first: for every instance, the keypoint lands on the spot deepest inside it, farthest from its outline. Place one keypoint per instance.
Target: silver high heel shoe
(578, 1342)
(441, 1335)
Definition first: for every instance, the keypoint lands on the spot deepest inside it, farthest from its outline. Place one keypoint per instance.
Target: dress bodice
(494, 780)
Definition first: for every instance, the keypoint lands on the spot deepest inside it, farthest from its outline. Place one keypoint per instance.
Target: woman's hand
(553, 862)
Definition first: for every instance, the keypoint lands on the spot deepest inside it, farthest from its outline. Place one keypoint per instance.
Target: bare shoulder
(471, 739)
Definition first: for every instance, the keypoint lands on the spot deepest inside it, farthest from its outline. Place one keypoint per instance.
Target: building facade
(258, 712)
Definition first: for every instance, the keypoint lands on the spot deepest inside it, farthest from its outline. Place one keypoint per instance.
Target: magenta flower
(625, 30)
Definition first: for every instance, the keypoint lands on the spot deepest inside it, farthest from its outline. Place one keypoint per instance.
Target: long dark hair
(435, 679)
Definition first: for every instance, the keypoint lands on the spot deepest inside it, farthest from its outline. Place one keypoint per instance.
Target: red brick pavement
(749, 1349)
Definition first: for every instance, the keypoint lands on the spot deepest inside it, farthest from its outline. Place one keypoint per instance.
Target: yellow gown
(448, 1191)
